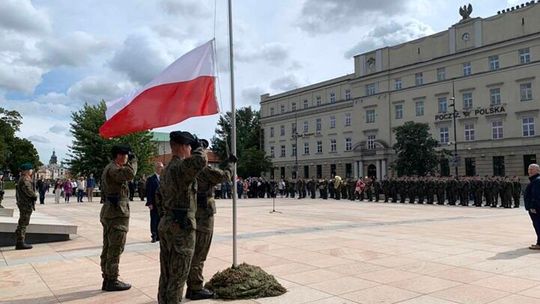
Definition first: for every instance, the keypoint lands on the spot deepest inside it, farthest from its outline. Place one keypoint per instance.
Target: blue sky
(55, 55)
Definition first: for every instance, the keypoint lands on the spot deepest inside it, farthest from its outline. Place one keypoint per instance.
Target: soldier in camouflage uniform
(385, 186)
(1, 188)
(463, 190)
(394, 185)
(376, 189)
(441, 188)
(369, 188)
(351, 184)
(430, 189)
(26, 202)
(323, 188)
(452, 190)
(114, 214)
(507, 193)
(495, 188)
(177, 227)
(206, 208)
(478, 191)
(488, 188)
(516, 191)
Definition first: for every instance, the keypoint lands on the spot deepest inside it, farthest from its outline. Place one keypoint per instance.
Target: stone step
(6, 212)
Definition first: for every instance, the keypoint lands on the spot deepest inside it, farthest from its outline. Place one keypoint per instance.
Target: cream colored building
(491, 66)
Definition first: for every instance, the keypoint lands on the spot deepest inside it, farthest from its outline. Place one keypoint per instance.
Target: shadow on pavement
(513, 254)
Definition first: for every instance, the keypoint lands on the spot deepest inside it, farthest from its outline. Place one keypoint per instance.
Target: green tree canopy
(90, 153)
(415, 149)
(252, 161)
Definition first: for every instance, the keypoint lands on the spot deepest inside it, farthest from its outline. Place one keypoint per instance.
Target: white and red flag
(184, 89)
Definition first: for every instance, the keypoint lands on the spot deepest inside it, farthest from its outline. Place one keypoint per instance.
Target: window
(528, 126)
(467, 100)
(348, 144)
(370, 116)
(306, 171)
(306, 126)
(332, 122)
(347, 94)
(527, 160)
(525, 91)
(444, 135)
(419, 79)
(319, 171)
(399, 111)
(293, 128)
(397, 84)
(333, 170)
(318, 100)
(497, 129)
(495, 96)
(318, 124)
(493, 62)
(370, 89)
(306, 104)
(333, 145)
(293, 148)
(293, 106)
(470, 166)
(467, 69)
(271, 111)
(282, 108)
(282, 151)
(306, 148)
(445, 167)
(282, 130)
(469, 132)
(332, 97)
(371, 142)
(271, 131)
(498, 166)
(441, 74)
(319, 146)
(347, 119)
(524, 57)
(419, 106)
(348, 170)
(272, 155)
(443, 105)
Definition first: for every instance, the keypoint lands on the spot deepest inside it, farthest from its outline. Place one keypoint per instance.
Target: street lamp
(454, 115)
(295, 135)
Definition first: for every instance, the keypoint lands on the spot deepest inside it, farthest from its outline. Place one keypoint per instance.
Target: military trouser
(176, 251)
(324, 194)
(429, 198)
(516, 200)
(451, 198)
(337, 194)
(24, 219)
(195, 278)
(495, 199)
(464, 198)
(114, 238)
(440, 198)
(402, 197)
(394, 196)
(489, 198)
(478, 198)
(377, 195)
(370, 195)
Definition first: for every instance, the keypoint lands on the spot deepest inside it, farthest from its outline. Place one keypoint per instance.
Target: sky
(56, 55)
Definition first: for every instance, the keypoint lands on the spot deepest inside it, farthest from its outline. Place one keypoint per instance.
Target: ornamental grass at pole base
(244, 282)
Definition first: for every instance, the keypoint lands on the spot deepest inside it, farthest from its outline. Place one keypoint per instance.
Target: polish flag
(184, 89)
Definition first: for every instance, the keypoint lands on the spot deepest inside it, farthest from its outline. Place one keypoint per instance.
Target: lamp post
(295, 169)
(454, 115)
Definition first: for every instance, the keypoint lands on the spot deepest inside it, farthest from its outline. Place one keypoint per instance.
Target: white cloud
(21, 15)
(187, 8)
(252, 95)
(93, 89)
(285, 83)
(271, 53)
(75, 49)
(58, 129)
(38, 139)
(18, 76)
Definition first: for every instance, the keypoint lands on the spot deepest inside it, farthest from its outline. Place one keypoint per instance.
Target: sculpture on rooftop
(465, 12)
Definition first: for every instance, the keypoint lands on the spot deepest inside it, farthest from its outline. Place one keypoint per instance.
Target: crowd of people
(480, 191)
(66, 188)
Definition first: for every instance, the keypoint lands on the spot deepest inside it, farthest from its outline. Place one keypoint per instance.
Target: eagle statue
(465, 11)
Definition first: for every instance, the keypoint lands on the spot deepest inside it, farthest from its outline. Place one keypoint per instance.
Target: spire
(54, 159)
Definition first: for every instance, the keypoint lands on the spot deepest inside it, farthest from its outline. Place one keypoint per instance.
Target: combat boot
(115, 285)
(199, 294)
(21, 245)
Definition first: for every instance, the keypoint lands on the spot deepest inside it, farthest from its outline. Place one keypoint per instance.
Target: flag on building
(184, 89)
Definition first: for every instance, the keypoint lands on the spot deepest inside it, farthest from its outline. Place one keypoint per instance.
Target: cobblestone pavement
(323, 251)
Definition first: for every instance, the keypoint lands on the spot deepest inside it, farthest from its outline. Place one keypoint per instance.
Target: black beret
(181, 137)
(120, 149)
(26, 166)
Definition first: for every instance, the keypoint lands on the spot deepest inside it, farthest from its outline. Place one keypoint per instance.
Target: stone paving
(324, 252)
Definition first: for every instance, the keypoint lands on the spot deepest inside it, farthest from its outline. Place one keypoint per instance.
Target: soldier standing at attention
(516, 191)
(114, 214)
(178, 191)
(26, 202)
(1, 188)
(206, 208)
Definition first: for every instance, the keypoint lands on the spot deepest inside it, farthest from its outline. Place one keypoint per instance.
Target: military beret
(181, 137)
(120, 149)
(26, 166)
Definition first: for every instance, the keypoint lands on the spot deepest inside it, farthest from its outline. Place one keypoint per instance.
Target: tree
(252, 161)
(14, 151)
(90, 153)
(22, 151)
(415, 149)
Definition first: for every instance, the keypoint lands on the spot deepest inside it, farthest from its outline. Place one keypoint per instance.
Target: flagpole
(233, 132)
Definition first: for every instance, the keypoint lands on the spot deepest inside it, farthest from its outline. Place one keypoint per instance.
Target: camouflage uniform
(441, 187)
(206, 208)
(26, 202)
(385, 185)
(478, 192)
(377, 189)
(114, 215)
(1, 190)
(464, 188)
(516, 191)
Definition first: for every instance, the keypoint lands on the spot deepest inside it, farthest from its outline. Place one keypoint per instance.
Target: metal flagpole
(233, 132)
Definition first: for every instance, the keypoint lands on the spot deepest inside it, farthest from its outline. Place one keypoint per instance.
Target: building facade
(53, 170)
(487, 69)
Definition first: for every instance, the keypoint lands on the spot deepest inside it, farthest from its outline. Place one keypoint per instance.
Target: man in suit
(152, 185)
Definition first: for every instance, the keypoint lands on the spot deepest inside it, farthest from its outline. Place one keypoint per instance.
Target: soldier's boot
(199, 294)
(21, 245)
(115, 285)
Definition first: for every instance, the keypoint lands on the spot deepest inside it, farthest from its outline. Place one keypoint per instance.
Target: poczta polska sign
(472, 113)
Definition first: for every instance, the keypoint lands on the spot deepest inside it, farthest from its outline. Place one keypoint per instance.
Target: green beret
(26, 166)
(120, 149)
(181, 137)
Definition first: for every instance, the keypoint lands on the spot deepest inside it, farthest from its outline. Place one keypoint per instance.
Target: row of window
(318, 125)
(333, 146)
(318, 102)
(497, 130)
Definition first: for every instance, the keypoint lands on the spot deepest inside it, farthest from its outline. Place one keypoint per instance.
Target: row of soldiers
(485, 191)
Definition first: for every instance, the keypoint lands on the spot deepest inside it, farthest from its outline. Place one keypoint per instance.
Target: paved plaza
(324, 252)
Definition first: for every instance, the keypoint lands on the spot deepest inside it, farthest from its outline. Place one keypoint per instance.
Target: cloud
(389, 34)
(141, 58)
(252, 95)
(18, 76)
(187, 8)
(50, 105)
(285, 83)
(93, 89)
(22, 16)
(272, 53)
(39, 139)
(58, 129)
(75, 49)
(326, 16)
